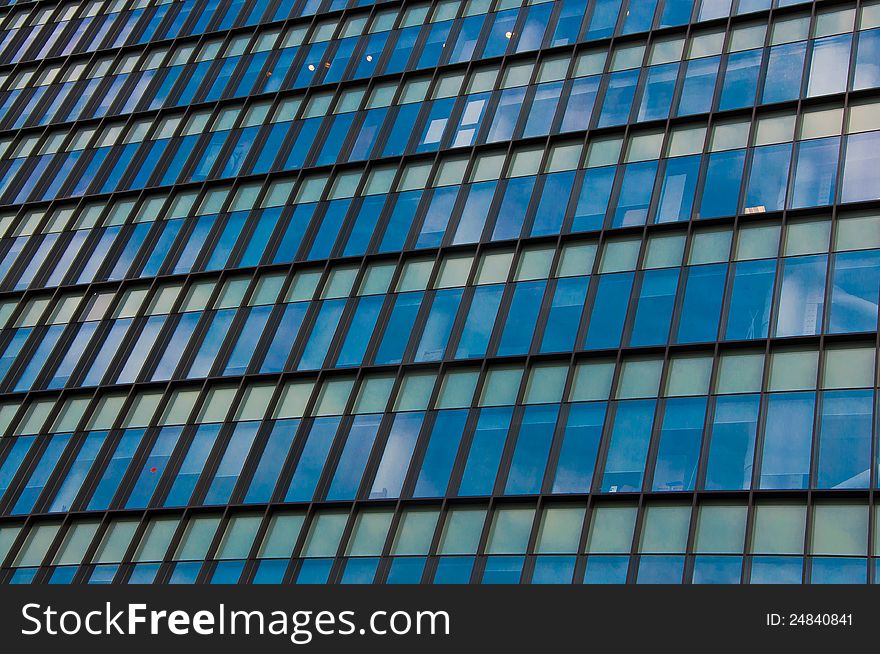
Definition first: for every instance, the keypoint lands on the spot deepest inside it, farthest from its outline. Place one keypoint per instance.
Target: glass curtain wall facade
(463, 291)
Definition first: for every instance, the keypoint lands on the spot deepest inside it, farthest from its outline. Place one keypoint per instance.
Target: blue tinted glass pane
(328, 232)
(618, 97)
(785, 68)
(606, 569)
(861, 173)
(314, 571)
(506, 114)
(185, 573)
(397, 332)
(581, 101)
(259, 238)
(639, 16)
(521, 318)
(153, 467)
(589, 214)
(353, 460)
(103, 574)
(564, 318)
(788, 435)
(751, 298)
(815, 177)
(40, 475)
(144, 573)
(568, 26)
(855, 285)
(532, 31)
(867, 73)
(659, 89)
(249, 338)
(437, 217)
(63, 574)
(768, 178)
(285, 335)
(551, 208)
(406, 570)
(732, 443)
(777, 570)
(177, 345)
(438, 326)
(698, 89)
(609, 311)
(360, 331)
(660, 570)
(193, 464)
(654, 309)
(532, 449)
(322, 334)
(740, 79)
(838, 570)
(481, 318)
(543, 109)
(553, 570)
(580, 445)
(701, 307)
(498, 41)
(845, 439)
(271, 461)
(473, 214)
(628, 448)
(802, 297)
(466, 40)
(604, 19)
(293, 233)
(485, 451)
(311, 461)
(635, 194)
(85, 458)
(216, 334)
(364, 225)
(116, 467)
(270, 571)
(512, 213)
(721, 188)
(717, 569)
(676, 200)
(359, 571)
(503, 569)
(440, 453)
(227, 572)
(365, 141)
(681, 434)
(453, 570)
(400, 221)
(16, 454)
(396, 457)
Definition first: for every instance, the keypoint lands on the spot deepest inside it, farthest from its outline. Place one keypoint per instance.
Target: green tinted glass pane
(415, 532)
(721, 529)
(510, 531)
(370, 532)
(281, 536)
(560, 530)
(461, 532)
(840, 529)
(779, 529)
(665, 529)
(239, 537)
(611, 529)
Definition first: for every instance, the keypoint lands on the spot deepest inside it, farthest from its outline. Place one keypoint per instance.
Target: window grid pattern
(457, 292)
